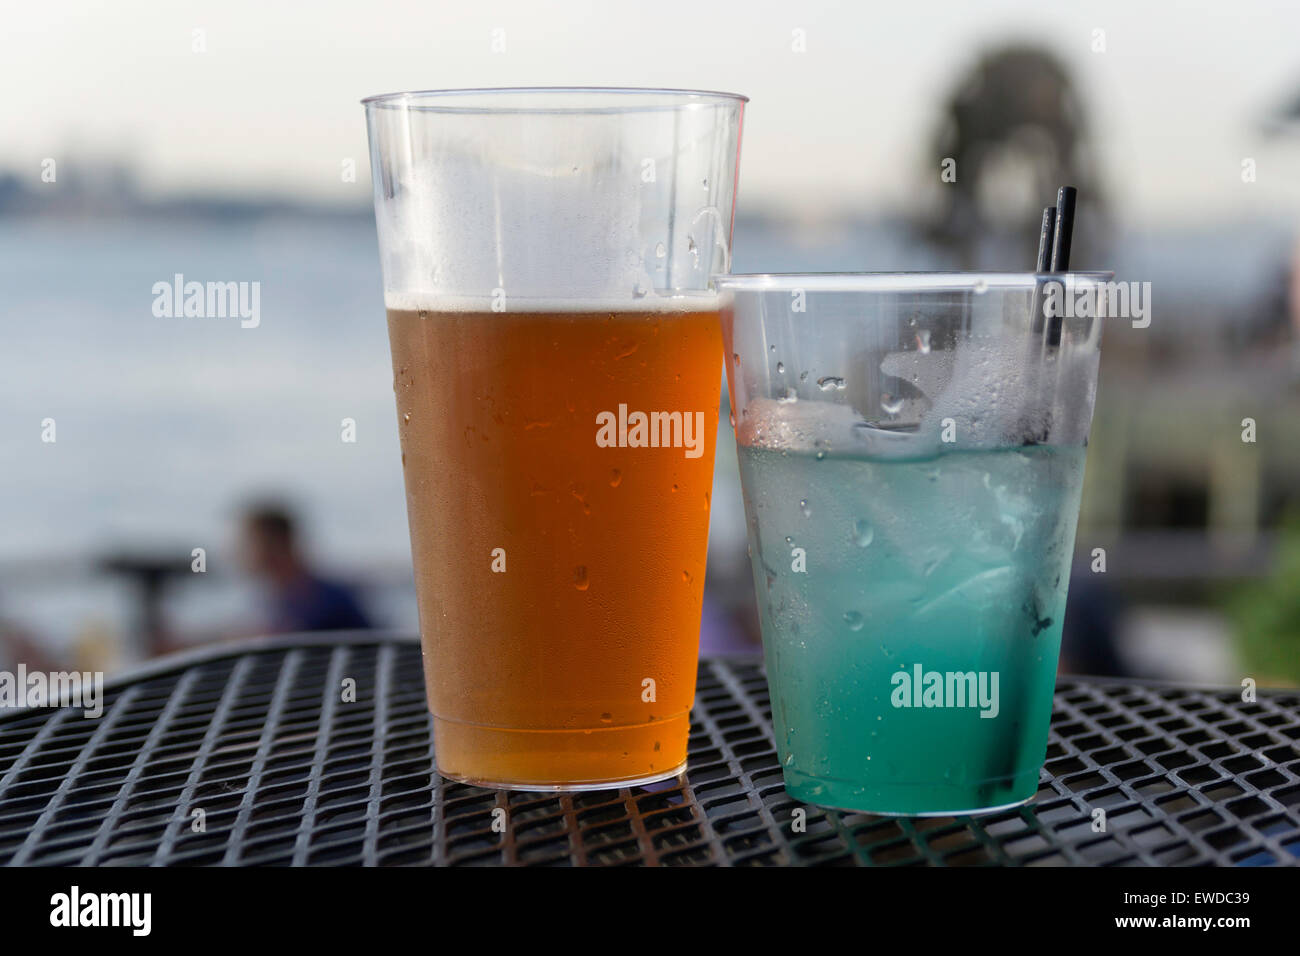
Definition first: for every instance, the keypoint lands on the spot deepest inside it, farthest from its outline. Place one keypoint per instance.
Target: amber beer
(559, 537)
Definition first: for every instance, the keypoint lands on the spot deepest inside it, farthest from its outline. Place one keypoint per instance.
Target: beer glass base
(549, 761)
(567, 787)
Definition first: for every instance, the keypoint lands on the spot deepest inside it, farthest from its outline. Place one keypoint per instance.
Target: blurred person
(1090, 637)
(299, 598)
(20, 646)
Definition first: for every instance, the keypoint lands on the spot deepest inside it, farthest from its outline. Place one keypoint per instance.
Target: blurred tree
(1015, 127)
(1267, 614)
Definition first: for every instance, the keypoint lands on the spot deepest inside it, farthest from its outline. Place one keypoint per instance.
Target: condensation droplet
(580, 577)
(803, 506)
(660, 251)
(863, 533)
(830, 382)
(854, 620)
(615, 478)
(892, 404)
(780, 367)
(923, 341)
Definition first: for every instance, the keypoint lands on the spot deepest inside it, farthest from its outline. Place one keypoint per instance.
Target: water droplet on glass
(789, 540)
(892, 404)
(780, 367)
(863, 533)
(660, 251)
(854, 620)
(735, 358)
(923, 341)
(606, 718)
(828, 382)
(788, 396)
(803, 376)
(981, 287)
(615, 478)
(580, 577)
(638, 291)
(406, 419)
(803, 506)
(693, 250)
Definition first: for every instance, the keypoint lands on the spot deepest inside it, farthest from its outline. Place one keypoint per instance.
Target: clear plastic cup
(911, 454)
(547, 256)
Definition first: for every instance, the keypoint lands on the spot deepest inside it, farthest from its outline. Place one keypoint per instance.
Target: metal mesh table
(256, 738)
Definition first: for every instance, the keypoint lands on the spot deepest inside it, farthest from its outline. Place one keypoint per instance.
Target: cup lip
(899, 281)
(612, 99)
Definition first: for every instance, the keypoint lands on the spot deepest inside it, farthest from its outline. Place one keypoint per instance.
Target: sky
(269, 105)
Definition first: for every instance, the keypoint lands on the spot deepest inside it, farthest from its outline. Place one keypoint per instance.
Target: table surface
(245, 755)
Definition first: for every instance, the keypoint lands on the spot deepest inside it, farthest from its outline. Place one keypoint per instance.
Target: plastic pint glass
(911, 454)
(546, 258)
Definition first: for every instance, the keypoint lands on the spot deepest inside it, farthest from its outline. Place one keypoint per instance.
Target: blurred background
(224, 141)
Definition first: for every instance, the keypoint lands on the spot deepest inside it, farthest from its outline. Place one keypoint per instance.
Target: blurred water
(165, 425)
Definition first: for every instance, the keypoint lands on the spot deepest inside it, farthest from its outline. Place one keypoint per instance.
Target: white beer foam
(665, 304)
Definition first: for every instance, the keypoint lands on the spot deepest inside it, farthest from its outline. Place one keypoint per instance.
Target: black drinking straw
(1061, 240)
(1065, 198)
(1054, 237)
(1045, 239)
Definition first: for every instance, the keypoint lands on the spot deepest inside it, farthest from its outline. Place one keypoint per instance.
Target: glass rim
(899, 281)
(624, 99)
